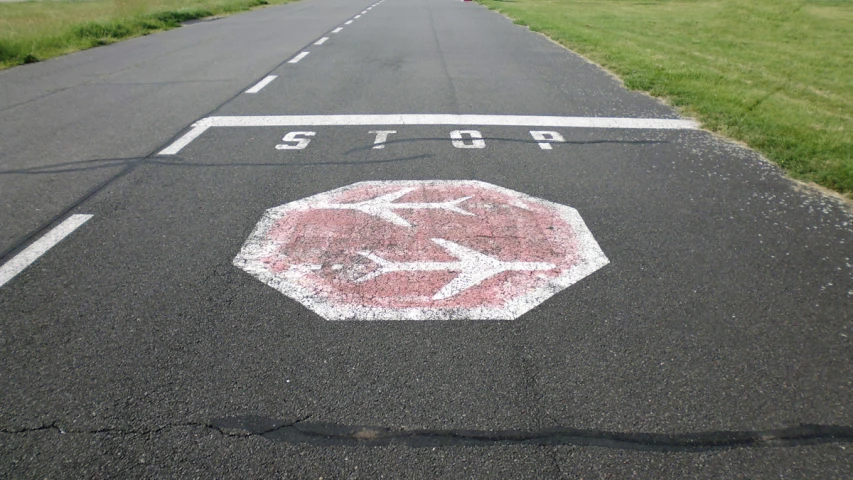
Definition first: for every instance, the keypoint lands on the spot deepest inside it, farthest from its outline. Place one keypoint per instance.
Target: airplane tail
(453, 206)
(383, 266)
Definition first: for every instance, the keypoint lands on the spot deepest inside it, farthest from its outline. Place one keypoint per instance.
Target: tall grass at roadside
(37, 30)
(775, 74)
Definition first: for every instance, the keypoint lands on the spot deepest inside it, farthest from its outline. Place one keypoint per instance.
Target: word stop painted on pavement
(420, 250)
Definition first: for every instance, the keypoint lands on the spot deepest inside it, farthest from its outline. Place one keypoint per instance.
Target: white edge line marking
(298, 57)
(347, 22)
(321, 41)
(337, 29)
(427, 119)
(38, 248)
(263, 83)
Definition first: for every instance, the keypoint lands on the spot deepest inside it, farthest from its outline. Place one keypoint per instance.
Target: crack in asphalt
(98, 164)
(109, 430)
(300, 431)
(74, 166)
(259, 428)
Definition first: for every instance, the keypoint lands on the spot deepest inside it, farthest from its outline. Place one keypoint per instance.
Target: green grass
(775, 74)
(37, 30)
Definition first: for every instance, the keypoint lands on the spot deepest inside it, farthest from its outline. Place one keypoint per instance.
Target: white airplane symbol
(473, 267)
(383, 207)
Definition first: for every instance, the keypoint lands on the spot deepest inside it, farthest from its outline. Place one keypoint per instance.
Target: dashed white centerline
(321, 41)
(297, 58)
(347, 22)
(337, 29)
(357, 16)
(364, 12)
(263, 83)
(427, 119)
(32, 253)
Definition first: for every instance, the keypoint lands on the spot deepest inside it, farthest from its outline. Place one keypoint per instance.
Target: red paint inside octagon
(322, 245)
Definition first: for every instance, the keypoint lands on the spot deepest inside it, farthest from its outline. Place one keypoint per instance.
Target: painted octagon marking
(420, 250)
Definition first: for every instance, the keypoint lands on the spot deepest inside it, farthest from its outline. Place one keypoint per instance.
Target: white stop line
(426, 119)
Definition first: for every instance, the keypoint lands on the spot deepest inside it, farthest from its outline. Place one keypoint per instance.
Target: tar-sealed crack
(328, 434)
(300, 431)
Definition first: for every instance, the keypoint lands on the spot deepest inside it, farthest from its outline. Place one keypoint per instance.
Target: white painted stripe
(428, 119)
(185, 140)
(337, 29)
(347, 22)
(364, 12)
(298, 57)
(263, 83)
(321, 41)
(442, 119)
(357, 16)
(38, 248)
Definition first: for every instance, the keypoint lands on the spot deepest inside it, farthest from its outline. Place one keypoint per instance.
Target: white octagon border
(256, 247)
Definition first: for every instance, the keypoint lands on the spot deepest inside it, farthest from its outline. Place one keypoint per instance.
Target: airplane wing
(477, 267)
(385, 214)
(466, 255)
(388, 197)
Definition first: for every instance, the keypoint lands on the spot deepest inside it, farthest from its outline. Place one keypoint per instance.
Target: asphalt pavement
(710, 336)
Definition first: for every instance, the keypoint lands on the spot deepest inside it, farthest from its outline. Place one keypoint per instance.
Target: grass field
(775, 74)
(37, 30)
